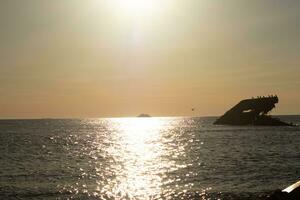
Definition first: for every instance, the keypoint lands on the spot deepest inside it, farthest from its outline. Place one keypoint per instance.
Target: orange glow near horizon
(120, 58)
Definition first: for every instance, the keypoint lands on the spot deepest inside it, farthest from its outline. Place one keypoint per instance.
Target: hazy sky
(102, 58)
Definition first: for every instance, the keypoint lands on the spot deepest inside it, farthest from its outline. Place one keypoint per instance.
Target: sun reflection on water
(137, 158)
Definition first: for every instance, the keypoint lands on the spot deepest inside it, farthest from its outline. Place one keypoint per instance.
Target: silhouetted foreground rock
(252, 112)
(290, 193)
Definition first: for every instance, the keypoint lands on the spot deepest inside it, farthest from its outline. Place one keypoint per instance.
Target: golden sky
(111, 58)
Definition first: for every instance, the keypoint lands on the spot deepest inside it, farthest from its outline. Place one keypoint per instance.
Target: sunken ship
(253, 111)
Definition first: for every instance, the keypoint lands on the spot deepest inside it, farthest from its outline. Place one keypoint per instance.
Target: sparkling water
(145, 158)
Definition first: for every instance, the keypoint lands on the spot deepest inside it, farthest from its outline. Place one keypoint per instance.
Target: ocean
(145, 158)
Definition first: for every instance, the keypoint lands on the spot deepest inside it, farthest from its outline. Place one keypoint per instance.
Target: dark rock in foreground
(290, 193)
(252, 112)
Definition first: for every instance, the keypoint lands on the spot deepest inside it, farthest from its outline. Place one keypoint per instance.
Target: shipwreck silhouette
(252, 112)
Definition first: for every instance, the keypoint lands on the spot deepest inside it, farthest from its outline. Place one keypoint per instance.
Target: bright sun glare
(138, 8)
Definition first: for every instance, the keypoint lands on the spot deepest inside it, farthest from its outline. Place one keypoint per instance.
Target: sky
(118, 58)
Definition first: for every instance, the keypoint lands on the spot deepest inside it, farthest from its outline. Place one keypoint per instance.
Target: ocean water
(145, 158)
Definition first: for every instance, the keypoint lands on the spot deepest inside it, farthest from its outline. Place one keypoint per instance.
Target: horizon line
(81, 118)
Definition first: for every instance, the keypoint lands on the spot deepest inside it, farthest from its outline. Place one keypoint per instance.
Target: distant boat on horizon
(143, 115)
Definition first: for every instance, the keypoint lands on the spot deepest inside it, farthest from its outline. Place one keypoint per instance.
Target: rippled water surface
(145, 158)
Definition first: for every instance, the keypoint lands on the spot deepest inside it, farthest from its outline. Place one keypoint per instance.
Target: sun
(138, 8)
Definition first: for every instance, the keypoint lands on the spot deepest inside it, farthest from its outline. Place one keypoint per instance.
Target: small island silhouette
(143, 115)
